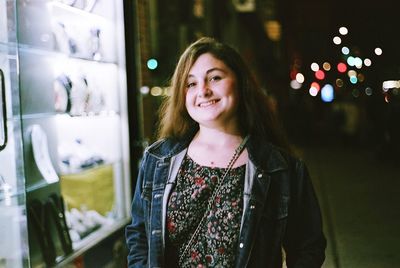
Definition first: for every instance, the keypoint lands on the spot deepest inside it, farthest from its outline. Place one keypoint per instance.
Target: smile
(208, 103)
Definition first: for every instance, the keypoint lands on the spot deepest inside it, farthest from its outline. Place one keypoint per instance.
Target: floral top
(216, 244)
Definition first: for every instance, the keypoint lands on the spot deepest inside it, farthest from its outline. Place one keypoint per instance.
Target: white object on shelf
(41, 154)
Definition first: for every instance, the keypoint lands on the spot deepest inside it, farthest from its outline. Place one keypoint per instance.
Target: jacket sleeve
(305, 242)
(135, 232)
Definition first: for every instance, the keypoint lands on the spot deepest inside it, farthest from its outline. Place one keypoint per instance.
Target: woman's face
(212, 94)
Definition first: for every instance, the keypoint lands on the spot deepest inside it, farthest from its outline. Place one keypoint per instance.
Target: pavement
(360, 201)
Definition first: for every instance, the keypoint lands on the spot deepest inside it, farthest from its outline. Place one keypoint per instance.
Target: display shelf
(38, 185)
(92, 86)
(83, 34)
(65, 11)
(103, 114)
(55, 97)
(58, 55)
(92, 240)
(54, 26)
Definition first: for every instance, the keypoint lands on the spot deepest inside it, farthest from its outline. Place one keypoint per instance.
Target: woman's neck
(216, 138)
(215, 148)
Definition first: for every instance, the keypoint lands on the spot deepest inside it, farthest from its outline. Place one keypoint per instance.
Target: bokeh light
(300, 77)
(367, 62)
(378, 51)
(351, 61)
(316, 85)
(327, 93)
(313, 91)
(368, 91)
(144, 90)
(358, 62)
(353, 79)
(295, 84)
(337, 40)
(156, 91)
(314, 88)
(345, 50)
(320, 74)
(326, 66)
(314, 66)
(341, 67)
(152, 64)
(360, 77)
(343, 30)
(339, 82)
(351, 73)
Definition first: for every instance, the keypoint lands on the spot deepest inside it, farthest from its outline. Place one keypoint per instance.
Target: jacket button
(259, 175)
(241, 245)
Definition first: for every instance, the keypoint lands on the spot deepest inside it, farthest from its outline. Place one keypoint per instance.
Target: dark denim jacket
(280, 209)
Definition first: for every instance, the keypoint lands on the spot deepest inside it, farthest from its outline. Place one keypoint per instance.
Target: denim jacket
(281, 214)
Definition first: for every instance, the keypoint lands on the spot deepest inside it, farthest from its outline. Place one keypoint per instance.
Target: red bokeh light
(320, 74)
(342, 67)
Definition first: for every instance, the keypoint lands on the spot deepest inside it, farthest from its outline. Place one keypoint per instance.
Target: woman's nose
(204, 90)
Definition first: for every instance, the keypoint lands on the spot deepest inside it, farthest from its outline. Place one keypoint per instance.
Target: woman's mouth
(207, 103)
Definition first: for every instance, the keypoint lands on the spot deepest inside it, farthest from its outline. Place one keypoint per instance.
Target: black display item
(45, 217)
(4, 110)
(39, 220)
(55, 206)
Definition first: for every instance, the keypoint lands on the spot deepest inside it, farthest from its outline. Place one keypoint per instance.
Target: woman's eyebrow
(210, 71)
(214, 69)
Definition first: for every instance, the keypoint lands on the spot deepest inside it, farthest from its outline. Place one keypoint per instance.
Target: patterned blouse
(216, 244)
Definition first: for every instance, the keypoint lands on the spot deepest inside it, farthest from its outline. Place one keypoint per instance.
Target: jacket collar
(266, 156)
(262, 153)
(168, 147)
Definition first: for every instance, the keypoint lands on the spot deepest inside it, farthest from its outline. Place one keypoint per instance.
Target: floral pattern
(216, 243)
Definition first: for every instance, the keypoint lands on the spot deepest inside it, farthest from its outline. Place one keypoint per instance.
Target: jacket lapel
(264, 160)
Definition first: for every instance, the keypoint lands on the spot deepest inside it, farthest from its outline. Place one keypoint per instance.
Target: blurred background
(331, 68)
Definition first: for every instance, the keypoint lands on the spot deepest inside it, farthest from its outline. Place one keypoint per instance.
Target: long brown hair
(255, 115)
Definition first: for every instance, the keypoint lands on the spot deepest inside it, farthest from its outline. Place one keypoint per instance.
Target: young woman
(220, 187)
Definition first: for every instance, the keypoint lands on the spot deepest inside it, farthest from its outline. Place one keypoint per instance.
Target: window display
(63, 129)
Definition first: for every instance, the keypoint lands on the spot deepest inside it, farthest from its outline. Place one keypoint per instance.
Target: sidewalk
(360, 202)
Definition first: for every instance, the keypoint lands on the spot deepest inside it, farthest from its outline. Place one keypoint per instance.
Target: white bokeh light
(313, 91)
(337, 40)
(378, 51)
(343, 30)
(345, 50)
(314, 66)
(367, 62)
(300, 78)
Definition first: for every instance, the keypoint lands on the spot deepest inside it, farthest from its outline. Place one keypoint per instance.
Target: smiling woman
(220, 188)
(211, 96)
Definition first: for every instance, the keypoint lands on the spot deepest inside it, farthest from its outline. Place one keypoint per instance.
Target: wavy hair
(255, 115)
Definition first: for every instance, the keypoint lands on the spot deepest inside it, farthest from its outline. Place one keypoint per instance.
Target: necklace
(235, 156)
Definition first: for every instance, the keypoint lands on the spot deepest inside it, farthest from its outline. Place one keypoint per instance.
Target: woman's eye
(215, 78)
(189, 85)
